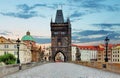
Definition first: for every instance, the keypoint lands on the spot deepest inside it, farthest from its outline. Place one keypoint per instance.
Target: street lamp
(106, 44)
(18, 44)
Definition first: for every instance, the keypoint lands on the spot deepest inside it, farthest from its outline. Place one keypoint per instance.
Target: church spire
(59, 17)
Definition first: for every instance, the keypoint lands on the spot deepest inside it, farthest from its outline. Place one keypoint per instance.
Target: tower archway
(59, 57)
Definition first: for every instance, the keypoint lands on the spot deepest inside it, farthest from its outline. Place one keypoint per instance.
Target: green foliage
(8, 59)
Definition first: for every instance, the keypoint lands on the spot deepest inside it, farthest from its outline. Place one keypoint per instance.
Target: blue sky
(92, 20)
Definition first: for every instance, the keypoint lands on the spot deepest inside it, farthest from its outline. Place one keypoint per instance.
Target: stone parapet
(9, 69)
(112, 67)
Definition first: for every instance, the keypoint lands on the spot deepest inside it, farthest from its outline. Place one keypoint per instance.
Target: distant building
(73, 53)
(116, 53)
(30, 42)
(28, 39)
(10, 46)
(102, 52)
(46, 49)
(88, 53)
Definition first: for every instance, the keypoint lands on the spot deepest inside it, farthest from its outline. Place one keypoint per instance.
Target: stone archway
(59, 57)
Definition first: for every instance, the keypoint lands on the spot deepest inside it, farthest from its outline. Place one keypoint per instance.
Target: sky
(91, 20)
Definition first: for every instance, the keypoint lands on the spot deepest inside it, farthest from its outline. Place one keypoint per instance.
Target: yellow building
(10, 46)
(116, 53)
(102, 53)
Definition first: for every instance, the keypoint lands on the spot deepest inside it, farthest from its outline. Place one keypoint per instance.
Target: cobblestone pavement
(62, 70)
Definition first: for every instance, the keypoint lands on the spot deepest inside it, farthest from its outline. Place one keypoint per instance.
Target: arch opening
(59, 57)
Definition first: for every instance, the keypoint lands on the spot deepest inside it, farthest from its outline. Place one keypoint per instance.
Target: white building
(88, 53)
(10, 46)
(73, 53)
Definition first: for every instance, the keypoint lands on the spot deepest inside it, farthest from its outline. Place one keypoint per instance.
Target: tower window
(59, 40)
(63, 33)
(55, 33)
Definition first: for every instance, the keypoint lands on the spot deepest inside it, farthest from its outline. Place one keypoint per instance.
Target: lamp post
(106, 44)
(18, 44)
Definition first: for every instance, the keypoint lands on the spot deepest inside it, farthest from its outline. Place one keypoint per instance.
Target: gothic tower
(60, 38)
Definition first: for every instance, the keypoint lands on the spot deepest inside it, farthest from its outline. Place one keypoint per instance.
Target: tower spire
(59, 17)
(51, 20)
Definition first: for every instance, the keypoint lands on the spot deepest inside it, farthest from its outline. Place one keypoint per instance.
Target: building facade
(61, 38)
(30, 42)
(10, 46)
(73, 52)
(102, 53)
(88, 53)
(116, 53)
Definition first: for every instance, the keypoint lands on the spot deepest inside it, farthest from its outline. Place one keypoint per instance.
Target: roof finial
(27, 33)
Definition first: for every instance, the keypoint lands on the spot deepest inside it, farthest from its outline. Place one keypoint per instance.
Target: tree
(41, 55)
(78, 55)
(8, 59)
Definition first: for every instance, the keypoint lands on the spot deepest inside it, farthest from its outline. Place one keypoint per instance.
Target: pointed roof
(59, 17)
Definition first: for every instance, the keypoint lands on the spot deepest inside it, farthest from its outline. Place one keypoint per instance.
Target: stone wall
(5, 70)
(112, 67)
(9, 69)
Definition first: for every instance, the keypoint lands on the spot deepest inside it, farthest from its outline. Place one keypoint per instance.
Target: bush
(8, 59)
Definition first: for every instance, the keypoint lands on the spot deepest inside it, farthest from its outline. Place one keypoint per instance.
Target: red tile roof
(88, 47)
(100, 47)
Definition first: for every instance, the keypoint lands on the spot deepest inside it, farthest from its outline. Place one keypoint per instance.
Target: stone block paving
(62, 70)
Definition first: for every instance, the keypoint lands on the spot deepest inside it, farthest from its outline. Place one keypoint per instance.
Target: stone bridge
(62, 70)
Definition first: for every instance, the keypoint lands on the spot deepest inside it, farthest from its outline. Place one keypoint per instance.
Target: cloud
(26, 12)
(26, 7)
(51, 6)
(94, 35)
(94, 32)
(106, 25)
(92, 4)
(5, 33)
(85, 7)
(21, 14)
(95, 5)
(76, 14)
